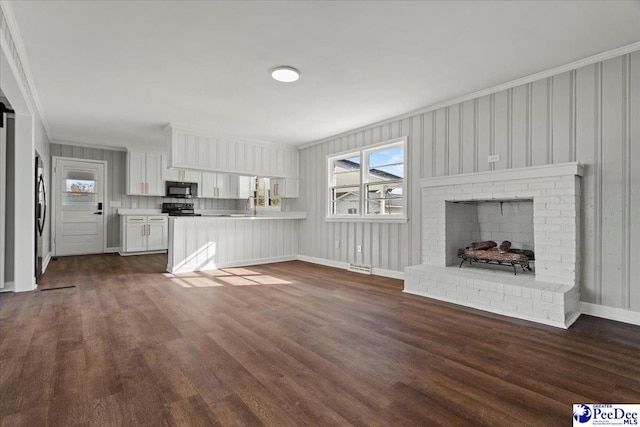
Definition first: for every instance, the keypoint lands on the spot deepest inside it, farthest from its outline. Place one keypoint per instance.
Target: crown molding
(623, 50)
(88, 145)
(14, 33)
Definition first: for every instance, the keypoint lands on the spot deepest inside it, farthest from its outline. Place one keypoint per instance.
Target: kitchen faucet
(255, 203)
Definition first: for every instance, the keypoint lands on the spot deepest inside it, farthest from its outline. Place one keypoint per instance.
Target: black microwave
(182, 190)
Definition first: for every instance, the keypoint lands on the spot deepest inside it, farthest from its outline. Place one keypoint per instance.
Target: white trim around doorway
(54, 160)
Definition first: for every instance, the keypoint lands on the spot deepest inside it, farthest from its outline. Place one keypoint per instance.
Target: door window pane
(79, 192)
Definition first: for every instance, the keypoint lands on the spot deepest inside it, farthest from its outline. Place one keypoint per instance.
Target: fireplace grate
(487, 252)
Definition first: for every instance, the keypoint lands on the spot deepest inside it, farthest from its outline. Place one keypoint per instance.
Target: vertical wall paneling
(519, 127)
(500, 128)
(626, 184)
(586, 108)
(561, 145)
(483, 132)
(468, 137)
(587, 115)
(549, 120)
(539, 115)
(509, 161)
(405, 235)
(612, 180)
(572, 115)
(447, 150)
(529, 137)
(440, 137)
(633, 176)
(414, 227)
(459, 149)
(423, 150)
(427, 139)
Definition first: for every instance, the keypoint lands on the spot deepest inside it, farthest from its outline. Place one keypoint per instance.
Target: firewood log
(487, 244)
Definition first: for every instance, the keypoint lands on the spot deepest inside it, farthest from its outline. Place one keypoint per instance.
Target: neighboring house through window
(368, 183)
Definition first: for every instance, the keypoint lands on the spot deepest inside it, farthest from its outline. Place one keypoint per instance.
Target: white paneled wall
(589, 115)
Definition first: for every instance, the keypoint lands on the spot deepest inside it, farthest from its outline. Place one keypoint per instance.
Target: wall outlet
(134, 205)
(359, 248)
(494, 158)
(115, 204)
(337, 244)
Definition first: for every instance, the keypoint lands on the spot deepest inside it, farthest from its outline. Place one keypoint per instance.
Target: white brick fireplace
(551, 294)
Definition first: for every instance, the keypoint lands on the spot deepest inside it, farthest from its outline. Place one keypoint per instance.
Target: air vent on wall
(357, 268)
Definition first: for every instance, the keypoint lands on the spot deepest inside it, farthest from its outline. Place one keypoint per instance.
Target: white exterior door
(79, 188)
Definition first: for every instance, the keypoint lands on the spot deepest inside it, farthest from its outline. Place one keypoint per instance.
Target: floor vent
(357, 268)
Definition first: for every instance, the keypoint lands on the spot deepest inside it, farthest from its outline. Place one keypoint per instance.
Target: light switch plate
(494, 158)
(115, 204)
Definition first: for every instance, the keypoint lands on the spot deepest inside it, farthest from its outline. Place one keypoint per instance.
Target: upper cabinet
(177, 174)
(219, 186)
(192, 150)
(284, 188)
(144, 174)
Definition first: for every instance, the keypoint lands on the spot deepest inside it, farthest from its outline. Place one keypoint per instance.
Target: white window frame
(364, 152)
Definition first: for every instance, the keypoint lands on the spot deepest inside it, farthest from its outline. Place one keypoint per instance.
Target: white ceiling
(115, 72)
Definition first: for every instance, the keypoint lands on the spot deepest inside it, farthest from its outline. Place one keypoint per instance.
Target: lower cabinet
(143, 233)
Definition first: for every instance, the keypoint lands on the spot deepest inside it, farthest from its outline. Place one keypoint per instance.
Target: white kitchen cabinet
(179, 175)
(193, 150)
(144, 174)
(246, 186)
(143, 233)
(218, 186)
(284, 188)
(157, 233)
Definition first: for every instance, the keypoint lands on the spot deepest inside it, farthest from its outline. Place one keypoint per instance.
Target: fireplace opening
(498, 221)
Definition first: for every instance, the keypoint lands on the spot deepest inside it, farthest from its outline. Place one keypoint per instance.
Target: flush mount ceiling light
(285, 74)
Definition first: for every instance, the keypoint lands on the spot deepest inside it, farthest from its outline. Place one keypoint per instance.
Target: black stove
(179, 209)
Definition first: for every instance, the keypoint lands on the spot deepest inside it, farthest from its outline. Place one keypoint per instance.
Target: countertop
(129, 212)
(245, 216)
(219, 214)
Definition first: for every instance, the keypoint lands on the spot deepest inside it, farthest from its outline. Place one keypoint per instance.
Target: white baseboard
(139, 253)
(388, 273)
(111, 250)
(611, 313)
(8, 287)
(345, 265)
(45, 262)
(322, 261)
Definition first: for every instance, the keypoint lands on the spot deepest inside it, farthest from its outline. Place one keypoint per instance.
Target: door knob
(97, 213)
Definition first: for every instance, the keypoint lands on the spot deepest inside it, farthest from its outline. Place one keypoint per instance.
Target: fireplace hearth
(535, 208)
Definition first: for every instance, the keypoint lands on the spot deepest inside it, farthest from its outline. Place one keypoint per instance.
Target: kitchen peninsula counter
(217, 240)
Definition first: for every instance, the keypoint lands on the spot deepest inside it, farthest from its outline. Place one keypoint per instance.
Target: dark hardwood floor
(288, 344)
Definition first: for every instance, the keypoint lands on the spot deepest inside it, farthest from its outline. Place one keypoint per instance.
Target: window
(368, 183)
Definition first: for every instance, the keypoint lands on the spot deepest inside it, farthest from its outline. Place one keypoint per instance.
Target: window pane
(389, 156)
(346, 165)
(384, 199)
(80, 186)
(347, 171)
(386, 173)
(78, 192)
(345, 201)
